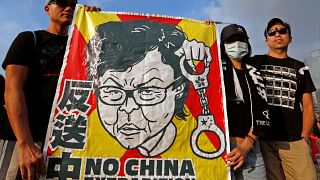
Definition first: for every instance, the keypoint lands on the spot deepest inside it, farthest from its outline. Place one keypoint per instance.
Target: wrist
(246, 145)
(305, 135)
(25, 142)
(251, 139)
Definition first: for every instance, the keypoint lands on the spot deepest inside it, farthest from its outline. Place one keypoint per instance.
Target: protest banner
(139, 97)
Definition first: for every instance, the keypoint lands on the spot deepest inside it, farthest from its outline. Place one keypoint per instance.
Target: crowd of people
(269, 100)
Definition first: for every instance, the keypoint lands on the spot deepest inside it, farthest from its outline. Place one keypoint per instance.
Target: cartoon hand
(193, 50)
(190, 51)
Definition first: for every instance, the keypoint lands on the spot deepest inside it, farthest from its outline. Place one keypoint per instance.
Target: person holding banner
(246, 105)
(32, 66)
(289, 87)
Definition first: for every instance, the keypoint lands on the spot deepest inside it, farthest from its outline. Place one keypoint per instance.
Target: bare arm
(30, 156)
(308, 115)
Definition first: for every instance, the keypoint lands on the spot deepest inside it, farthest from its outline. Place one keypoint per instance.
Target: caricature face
(138, 103)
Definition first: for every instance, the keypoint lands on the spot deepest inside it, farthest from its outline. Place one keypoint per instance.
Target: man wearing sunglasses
(288, 87)
(32, 66)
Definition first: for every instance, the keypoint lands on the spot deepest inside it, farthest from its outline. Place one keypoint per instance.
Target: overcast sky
(302, 15)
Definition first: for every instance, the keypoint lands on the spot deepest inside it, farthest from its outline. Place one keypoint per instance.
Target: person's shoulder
(25, 36)
(296, 61)
(42, 32)
(258, 57)
(256, 60)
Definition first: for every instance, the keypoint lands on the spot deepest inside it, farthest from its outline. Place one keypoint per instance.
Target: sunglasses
(64, 3)
(273, 32)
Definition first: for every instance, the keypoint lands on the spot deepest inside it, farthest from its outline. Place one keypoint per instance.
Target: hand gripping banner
(140, 97)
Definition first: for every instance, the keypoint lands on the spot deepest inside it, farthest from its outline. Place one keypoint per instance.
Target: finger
(93, 8)
(198, 50)
(188, 51)
(232, 153)
(231, 163)
(238, 165)
(96, 9)
(234, 158)
(202, 52)
(30, 171)
(179, 52)
(36, 171)
(195, 49)
(208, 22)
(228, 163)
(42, 167)
(190, 62)
(209, 58)
(23, 172)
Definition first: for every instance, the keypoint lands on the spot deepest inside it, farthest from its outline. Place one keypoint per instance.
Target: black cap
(231, 30)
(275, 21)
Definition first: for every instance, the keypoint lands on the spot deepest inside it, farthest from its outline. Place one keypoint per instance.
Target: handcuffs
(206, 121)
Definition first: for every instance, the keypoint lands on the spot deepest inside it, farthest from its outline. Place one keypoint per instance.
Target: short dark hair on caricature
(120, 45)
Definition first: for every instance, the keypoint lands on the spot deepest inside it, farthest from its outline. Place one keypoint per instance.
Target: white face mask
(236, 50)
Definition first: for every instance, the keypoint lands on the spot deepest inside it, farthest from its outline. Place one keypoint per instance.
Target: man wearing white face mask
(246, 104)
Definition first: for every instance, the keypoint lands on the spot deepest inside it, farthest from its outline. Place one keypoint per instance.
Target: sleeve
(20, 51)
(308, 83)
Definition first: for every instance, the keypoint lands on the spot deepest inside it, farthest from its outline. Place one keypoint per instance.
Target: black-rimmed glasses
(144, 96)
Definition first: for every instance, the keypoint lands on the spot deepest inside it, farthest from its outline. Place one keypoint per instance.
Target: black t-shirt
(286, 81)
(239, 116)
(44, 59)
